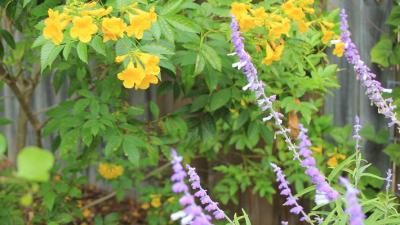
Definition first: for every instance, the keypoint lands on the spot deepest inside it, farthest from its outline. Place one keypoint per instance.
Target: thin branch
(112, 194)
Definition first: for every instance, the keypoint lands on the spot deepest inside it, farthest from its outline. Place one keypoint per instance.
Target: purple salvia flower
(388, 180)
(284, 223)
(357, 127)
(257, 86)
(373, 88)
(308, 162)
(354, 210)
(191, 214)
(205, 199)
(291, 201)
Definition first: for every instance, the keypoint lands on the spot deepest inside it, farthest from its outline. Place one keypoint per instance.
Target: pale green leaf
(82, 52)
(34, 164)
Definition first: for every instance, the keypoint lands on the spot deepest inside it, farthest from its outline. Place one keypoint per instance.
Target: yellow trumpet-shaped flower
(247, 23)
(303, 26)
(273, 53)
(327, 35)
(239, 9)
(110, 171)
(339, 49)
(113, 28)
(140, 23)
(333, 160)
(132, 76)
(54, 26)
(83, 28)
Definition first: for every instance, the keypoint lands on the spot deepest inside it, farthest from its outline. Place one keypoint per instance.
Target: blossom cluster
(83, 21)
(110, 171)
(291, 200)
(191, 212)
(291, 15)
(308, 162)
(373, 88)
(354, 210)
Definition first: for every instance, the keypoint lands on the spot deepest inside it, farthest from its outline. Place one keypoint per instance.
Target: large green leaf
(220, 98)
(82, 52)
(394, 17)
(166, 29)
(34, 164)
(49, 53)
(183, 23)
(171, 7)
(212, 57)
(98, 45)
(382, 51)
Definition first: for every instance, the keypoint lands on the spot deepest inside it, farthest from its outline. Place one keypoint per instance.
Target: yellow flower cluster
(279, 22)
(142, 70)
(85, 20)
(90, 18)
(110, 171)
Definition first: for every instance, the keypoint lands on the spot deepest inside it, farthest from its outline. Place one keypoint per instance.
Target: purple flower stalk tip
(210, 205)
(388, 179)
(325, 193)
(291, 201)
(354, 210)
(373, 88)
(356, 136)
(191, 213)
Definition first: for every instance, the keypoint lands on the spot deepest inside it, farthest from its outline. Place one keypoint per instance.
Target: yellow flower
(86, 213)
(147, 80)
(317, 149)
(278, 29)
(138, 25)
(113, 28)
(303, 26)
(120, 58)
(171, 199)
(98, 12)
(327, 35)
(274, 53)
(247, 23)
(145, 205)
(54, 26)
(339, 49)
(83, 28)
(155, 201)
(110, 171)
(333, 160)
(132, 76)
(239, 9)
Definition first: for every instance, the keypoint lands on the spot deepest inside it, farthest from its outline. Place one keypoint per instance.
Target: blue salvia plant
(335, 204)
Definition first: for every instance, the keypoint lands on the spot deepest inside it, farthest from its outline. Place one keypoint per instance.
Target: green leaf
(98, 45)
(26, 2)
(199, 103)
(113, 143)
(200, 63)
(155, 111)
(123, 46)
(393, 150)
(212, 57)
(183, 23)
(34, 164)
(157, 49)
(39, 41)
(220, 99)
(166, 29)
(171, 7)
(49, 53)
(8, 38)
(3, 145)
(82, 52)
(131, 146)
(394, 17)
(67, 50)
(381, 52)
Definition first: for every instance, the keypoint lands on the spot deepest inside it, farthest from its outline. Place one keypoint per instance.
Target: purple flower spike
(373, 88)
(291, 200)
(191, 213)
(257, 86)
(388, 179)
(308, 162)
(354, 210)
(205, 199)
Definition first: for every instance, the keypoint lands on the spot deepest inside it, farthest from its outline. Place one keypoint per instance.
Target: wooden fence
(366, 19)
